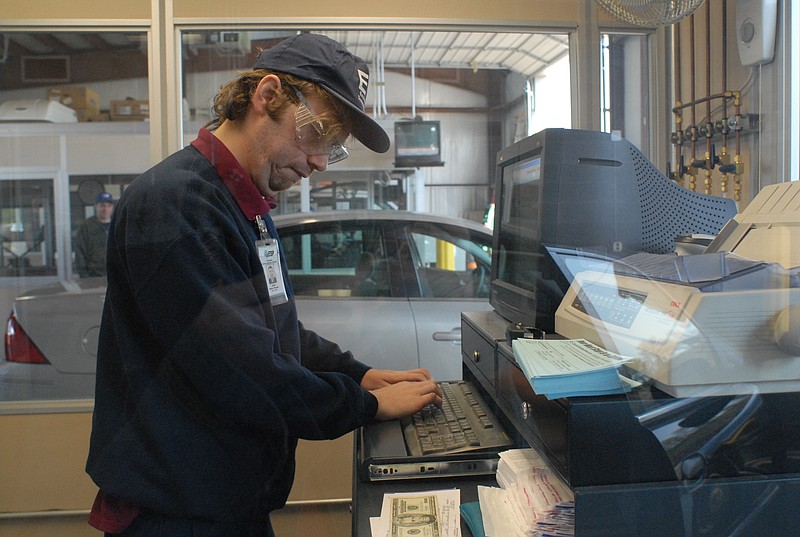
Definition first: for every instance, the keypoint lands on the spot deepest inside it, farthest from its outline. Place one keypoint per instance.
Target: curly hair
(233, 100)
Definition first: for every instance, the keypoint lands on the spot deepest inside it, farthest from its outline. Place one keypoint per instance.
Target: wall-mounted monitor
(417, 143)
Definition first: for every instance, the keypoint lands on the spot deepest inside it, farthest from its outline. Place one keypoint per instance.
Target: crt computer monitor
(417, 143)
(589, 191)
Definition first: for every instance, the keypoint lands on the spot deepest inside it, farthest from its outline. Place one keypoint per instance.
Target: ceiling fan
(650, 12)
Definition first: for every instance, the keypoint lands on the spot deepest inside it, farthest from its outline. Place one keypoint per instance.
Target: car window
(335, 259)
(451, 267)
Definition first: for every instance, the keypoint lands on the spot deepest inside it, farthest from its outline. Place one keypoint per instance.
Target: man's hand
(405, 398)
(380, 378)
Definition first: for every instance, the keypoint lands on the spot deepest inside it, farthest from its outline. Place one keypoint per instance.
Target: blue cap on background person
(328, 64)
(104, 197)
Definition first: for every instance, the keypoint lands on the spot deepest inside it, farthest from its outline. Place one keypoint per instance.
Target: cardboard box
(87, 115)
(83, 100)
(102, 116)
(129, 110)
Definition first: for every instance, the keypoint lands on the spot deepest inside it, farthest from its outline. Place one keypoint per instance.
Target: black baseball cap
(326, 63)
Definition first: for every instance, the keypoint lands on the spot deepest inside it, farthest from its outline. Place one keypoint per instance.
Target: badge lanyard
(270, 258)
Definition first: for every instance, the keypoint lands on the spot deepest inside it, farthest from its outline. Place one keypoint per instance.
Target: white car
(387, 285)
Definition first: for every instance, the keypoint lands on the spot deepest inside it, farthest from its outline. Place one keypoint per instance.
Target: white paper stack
(531, 500)
(570, 368)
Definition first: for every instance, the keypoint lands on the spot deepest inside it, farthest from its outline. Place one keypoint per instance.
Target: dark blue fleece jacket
(203, 387)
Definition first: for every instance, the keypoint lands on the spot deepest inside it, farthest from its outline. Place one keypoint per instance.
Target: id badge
(270, 259)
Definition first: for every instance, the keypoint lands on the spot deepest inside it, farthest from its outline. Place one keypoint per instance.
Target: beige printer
(726, 321)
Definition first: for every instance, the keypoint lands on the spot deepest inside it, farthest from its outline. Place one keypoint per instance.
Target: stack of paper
(531, 500)
(570, 367)
(422, 514)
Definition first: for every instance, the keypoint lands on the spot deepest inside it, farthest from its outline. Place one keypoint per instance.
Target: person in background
(91, 238)
(206, 379)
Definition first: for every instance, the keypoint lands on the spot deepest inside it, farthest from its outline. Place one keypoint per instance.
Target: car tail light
(19, 347)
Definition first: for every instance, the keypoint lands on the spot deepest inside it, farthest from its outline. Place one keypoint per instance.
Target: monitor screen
(520, 233)
(417, 143)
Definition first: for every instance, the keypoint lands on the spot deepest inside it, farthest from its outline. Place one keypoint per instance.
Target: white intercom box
(756, 24)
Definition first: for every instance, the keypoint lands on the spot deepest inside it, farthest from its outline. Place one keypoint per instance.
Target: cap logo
(363, 83)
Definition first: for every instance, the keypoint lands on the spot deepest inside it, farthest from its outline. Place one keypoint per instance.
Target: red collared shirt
(111, 514)
(238, 181)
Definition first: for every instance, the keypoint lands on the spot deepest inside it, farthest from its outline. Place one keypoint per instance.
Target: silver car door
(453, 275)
(378, 331)
(342, 277)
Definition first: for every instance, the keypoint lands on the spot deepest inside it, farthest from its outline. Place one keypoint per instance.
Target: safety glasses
(312, 134)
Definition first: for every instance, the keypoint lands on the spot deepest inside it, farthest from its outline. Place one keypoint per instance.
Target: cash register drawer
(590, 441)
(479, 353)
(541, 421)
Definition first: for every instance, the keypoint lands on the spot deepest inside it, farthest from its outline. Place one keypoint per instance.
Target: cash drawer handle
(525, 410)
(476, 356)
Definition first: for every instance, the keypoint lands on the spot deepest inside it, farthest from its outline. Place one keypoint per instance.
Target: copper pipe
(724, 149)
(676, 36)
(693, 126)
(725, 95)
(725, 50)
(709, 163)
(737, 159)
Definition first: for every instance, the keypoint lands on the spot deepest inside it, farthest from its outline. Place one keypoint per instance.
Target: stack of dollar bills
(419, 514)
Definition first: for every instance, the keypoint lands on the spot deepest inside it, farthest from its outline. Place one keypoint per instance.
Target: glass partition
(74, 110)
(27, 227)
(478, 86)
(624, 92)
(74, 124)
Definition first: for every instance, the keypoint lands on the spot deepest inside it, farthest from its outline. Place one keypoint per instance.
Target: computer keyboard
(463, 423)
